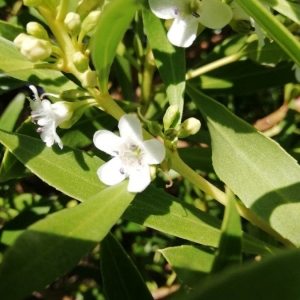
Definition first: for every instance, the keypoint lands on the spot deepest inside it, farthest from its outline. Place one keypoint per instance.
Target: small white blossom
(187, 14)
(48, 116)
(131, 155)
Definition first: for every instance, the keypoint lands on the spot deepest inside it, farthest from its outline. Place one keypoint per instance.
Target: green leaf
(244, 77)
(273, 278)
(286, 8)
(54, 245)
(64, 169)
(191, 264)
(256, 168)
(277, 31)
(72, 171)
(8, 83)
(12, 112)
(170, 60)
(115, 19)
(118, 270)
(14, 64)
(9, 31)
(230, 247)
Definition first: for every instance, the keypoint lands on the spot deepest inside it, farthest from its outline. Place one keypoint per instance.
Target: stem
(63, 9)
(146, 86)
(214, 65)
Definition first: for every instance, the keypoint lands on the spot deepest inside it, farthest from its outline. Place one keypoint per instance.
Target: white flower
(131, 155)
(48, 116)
(187, 14)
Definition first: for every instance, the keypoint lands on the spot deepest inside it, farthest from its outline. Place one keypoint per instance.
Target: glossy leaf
(56, 166)
(170, 60)
(11, 114)
(240, 152)
(152, 208)
(54, 245)
(9, 31)
(118, 270)
(191, 264)
(273, 278)
(114, 19)
(14, 64)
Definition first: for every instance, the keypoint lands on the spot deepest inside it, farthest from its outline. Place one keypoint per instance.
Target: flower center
(131, 156)
(192, 8)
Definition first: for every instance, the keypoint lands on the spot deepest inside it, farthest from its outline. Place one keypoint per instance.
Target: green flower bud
(72, 23)
(80, 62)
(90, 22)
(33, 3)
(171, 116)
(35, 49)
(189, 127)
(89, 79)
(37, 30)
(154, 128)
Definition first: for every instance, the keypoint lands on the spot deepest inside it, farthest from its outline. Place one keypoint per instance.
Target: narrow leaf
(170, 60)
(240, 153)
(274, 278)
(114, 19)
(54, 245)
(119, 271)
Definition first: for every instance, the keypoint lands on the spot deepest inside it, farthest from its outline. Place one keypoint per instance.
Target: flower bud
(89, 79)
(71, 94)
(37, 30)
(33, 3)
(154, 128)
(171, 116)
(72, 23)
(189, 127)
(35, 49)
(90, 22)
(18, 41)
(80, 62)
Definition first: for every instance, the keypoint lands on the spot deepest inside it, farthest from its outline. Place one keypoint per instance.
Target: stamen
(176, 11)
(122, 171)
(195, 14)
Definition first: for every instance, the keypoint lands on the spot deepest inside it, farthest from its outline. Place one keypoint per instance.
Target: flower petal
(215, 14)
(139, 179)
(109, 173)
(130, 128)
(107, 141)
(155, 151)
(183, 31)
(166, 9)
(237, 12)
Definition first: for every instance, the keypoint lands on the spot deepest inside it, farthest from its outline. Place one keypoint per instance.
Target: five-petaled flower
(187, 14)
(48, 116)
(131, 155)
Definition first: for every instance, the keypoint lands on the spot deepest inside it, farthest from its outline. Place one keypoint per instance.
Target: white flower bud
(37, 30)
(18, 41)
(33, 3)
(72, 23)
(35, 49)
(90, 22)
(189, 127)
(80, 62)
(89, 79)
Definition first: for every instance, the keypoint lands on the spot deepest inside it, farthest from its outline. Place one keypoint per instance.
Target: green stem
(62, 11)
(147, 78)
(214, 65)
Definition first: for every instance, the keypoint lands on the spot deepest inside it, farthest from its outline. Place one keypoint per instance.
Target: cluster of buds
(34, 45)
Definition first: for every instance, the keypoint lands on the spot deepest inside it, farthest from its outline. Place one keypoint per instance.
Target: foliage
(219, 218)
